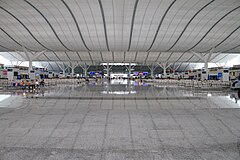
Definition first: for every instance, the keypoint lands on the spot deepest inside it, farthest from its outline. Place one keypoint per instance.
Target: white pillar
(164, 69)
(73, 66)
(30, 66)
(205, 59)
(152, 69)
(152, 73)
(85, 72)
(84, 68)
(72, 71)
(164, 66)
(129, 70)
(30, 57)
(108, 70)
(206, 69)
(63, 69)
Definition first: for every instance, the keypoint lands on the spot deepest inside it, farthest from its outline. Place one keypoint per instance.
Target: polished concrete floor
(114, 121)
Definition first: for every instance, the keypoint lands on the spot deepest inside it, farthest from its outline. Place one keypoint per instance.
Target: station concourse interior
(119, 79)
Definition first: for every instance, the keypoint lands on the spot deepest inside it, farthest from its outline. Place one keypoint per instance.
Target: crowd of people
(28, 84)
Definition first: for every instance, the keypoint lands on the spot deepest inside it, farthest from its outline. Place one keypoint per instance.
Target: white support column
(168, 66)
(129, 70)
(108, 70)
(85, 68)
(85, 72)
(72, 66)
(30, 61)
(30, 57)
(164, 66)
(206, 69)
(164, 69)
(62, 67)
(82, 66)
(206, 60)
(152, 75)
(30, 66)
(152, 69)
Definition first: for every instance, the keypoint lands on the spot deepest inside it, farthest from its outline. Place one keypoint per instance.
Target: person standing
(37, 84)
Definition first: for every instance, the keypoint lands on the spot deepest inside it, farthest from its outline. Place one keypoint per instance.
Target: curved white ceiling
(144, 31)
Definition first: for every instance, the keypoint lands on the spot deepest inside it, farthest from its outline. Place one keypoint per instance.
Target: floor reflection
(122, 87)
(119, 87)
(25, 92)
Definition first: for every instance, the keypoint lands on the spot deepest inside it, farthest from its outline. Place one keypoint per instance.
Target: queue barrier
(181, 83)
(191, 83)
(4, 83)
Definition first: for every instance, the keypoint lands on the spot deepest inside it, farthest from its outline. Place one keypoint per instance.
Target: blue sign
(92, 73)
(145, 73)
(219, 75)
